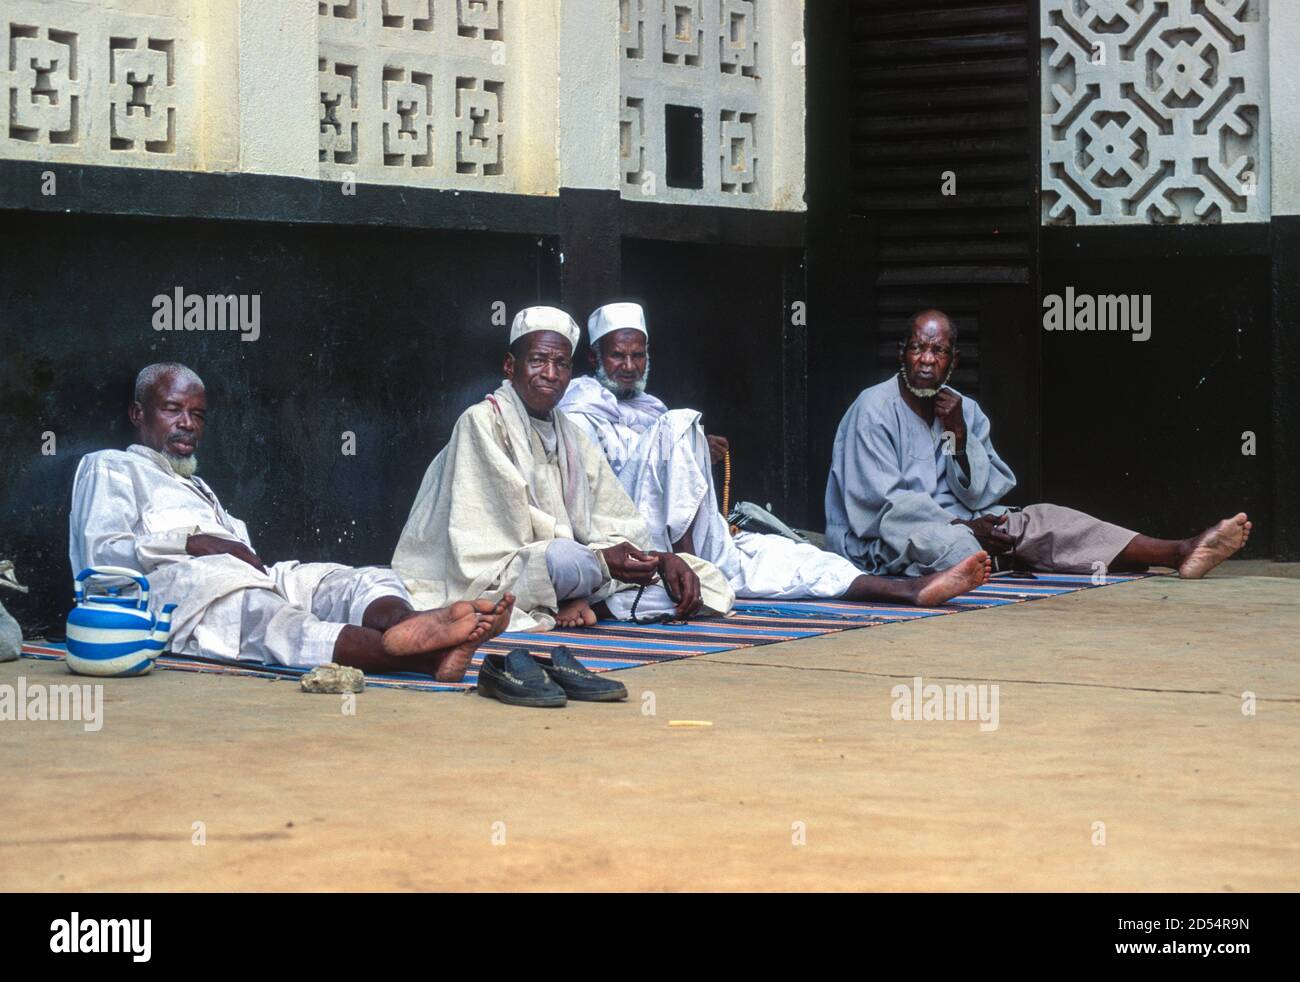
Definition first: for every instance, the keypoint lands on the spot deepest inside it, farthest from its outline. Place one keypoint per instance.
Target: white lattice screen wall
(459, 94)
(109, 86)
(729, 60)
(419, 92)
(1155, 111)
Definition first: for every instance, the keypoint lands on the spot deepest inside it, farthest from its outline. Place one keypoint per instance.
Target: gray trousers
(574, 570)
(1048, 538)
(1055, 539)
(576, 574)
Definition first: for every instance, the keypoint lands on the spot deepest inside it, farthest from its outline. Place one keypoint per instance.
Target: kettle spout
(162, 630)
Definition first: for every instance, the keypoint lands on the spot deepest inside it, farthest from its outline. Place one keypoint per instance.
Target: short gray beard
(620, 390)
(183, 466)
(922, 393)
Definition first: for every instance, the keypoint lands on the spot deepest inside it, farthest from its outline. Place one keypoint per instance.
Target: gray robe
(893, 492)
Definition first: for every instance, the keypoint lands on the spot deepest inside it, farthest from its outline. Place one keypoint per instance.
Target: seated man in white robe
(916, 486)
(520, 501)
(664, 460)
(143, 508)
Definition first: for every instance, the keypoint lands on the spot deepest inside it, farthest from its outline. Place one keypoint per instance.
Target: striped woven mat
(612, 645)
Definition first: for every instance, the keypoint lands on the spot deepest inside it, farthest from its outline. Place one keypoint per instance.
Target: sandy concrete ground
(1122, 706)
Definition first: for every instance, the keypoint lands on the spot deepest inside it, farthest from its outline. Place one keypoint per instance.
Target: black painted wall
(715, 320)
(1285, 253)
(1149, 434)
(386, 333)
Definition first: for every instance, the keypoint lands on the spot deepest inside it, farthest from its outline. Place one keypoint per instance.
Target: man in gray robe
(915, 486)
(520, 501)
(664, 460)
(145, 509)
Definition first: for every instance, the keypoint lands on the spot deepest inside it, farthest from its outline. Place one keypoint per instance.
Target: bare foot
(1214, 545)
(575, 613)
(434, 630)
(937, 588)
(501, 614)
(451, 666)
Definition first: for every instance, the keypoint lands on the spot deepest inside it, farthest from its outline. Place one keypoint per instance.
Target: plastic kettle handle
(79, 590)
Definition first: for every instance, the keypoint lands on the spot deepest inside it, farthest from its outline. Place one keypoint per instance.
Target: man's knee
(573, 568)
(939, 547)
(959, 545)
(344, 595)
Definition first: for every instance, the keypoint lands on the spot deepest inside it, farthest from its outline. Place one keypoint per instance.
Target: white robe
(129, 508)
(491, 504)
(893, 492)
(662, 459)
(11, 637)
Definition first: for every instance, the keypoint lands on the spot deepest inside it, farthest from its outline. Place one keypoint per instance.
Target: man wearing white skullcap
(533, 319)
(664, 460)
(519, 502)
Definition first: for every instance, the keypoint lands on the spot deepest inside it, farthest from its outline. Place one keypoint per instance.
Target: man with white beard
(143, 508)
(664, 459)
(520, 500)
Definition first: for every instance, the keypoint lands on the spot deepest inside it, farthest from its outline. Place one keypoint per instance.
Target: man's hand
(718, 447)
(988, 532)
(947, 410)
(215, 545)
(681, 583)
(630, 565)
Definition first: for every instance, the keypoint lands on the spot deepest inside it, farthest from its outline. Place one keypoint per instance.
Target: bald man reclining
(143, 508)
(916, 486)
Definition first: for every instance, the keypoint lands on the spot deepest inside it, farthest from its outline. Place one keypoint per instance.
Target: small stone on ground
(334, 678)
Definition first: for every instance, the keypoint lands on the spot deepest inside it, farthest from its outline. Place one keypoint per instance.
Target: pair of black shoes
(518, 678)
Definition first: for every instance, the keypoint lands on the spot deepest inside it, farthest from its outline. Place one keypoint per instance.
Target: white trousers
(276, 628)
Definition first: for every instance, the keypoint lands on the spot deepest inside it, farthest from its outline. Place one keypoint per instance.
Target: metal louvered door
(943, 171)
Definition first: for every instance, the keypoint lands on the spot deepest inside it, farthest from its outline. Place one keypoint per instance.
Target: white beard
(923, 393)
(620, 390)
(183, 466)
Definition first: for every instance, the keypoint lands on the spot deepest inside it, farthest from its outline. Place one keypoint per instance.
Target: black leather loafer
(578, 683)
(515, 679)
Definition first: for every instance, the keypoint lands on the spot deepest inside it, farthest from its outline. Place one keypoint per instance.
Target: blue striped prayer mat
(612, 645)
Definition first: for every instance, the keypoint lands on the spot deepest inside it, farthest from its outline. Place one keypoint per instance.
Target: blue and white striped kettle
(109, 634)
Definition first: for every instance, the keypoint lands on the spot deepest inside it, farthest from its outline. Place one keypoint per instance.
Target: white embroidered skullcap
(532, 319)
(615, 317)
